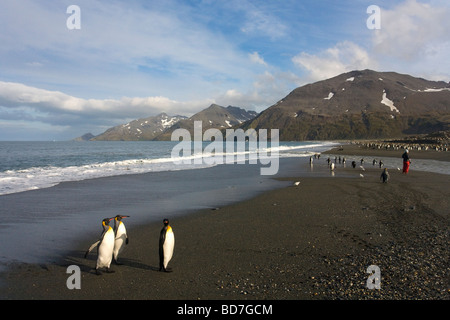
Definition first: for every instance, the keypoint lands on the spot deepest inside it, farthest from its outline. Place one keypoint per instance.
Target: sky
(66, 71)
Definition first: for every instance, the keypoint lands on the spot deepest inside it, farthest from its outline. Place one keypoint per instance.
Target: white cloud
(267, 88)
(410, 29)
(343, 57)
(151, 45)
(256, 58)
(52, 105)
(414, 38)
(259, 22)
(259, 18)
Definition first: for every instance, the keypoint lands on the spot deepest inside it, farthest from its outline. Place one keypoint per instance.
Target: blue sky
(134, 59)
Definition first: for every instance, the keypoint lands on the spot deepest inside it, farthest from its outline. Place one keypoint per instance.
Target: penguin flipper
(92, 247)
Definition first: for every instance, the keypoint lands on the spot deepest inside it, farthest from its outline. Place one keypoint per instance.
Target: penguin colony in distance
(105, 247)
(166, 245)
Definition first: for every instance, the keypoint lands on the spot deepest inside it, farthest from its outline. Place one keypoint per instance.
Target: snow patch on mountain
(388, 102)
(330, 95)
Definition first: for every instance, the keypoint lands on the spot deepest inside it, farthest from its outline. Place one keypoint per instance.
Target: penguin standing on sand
(166, 245)
(105, 247)
(121, 237)
(385, 175)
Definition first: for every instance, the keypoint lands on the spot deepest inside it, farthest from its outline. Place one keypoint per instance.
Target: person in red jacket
(406, 161)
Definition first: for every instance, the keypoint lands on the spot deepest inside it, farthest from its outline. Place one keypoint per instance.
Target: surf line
(238, 144)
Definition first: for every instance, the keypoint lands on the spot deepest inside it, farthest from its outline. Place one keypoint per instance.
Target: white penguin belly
(105, 251)
(120, 239)
(168, 246)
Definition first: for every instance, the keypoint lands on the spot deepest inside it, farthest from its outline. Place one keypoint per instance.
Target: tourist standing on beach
(406, 161)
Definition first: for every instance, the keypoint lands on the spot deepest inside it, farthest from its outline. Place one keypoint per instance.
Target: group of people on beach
(384, 175)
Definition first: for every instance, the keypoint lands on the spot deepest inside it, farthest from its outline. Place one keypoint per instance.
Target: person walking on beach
(406, 161)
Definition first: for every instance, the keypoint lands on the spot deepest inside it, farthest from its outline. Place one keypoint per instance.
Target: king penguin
(166, 245)
(121, 237)
(105, 247)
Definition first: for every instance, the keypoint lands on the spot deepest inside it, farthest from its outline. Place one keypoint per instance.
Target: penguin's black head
(105, 222)
(120, 217)
(166, 222)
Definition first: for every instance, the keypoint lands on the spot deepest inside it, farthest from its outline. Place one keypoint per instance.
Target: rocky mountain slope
(84, 137)
(160, 127)
(141, 129)
(359, 105)
(214, 116)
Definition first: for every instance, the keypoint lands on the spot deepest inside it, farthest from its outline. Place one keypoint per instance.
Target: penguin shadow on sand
(88, 264)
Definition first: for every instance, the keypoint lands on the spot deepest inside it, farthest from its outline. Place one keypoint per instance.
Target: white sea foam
(19, 180)
(13, 181)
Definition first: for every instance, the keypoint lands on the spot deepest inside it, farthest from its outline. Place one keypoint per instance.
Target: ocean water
(28, 166)
(55, 194)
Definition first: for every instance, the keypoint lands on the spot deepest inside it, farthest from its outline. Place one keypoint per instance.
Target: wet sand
(312, 241)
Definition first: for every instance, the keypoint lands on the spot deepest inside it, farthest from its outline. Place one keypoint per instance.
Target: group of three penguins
(112, 241)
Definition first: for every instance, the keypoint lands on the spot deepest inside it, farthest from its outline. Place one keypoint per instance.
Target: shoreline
(366, 148)
(283, 244)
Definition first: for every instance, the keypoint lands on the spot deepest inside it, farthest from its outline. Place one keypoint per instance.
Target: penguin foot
(98, 272)
(108, 270)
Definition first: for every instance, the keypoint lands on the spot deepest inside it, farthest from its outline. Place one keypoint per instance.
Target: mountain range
(360, 104)
(214, 116)
(160, 127)
(138, 130)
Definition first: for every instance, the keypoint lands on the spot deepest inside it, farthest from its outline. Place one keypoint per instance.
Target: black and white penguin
(166, 245)
(121, 237)
(105, 247)
(385, 175)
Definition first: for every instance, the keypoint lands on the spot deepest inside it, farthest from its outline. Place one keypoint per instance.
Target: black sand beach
(310, 241)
